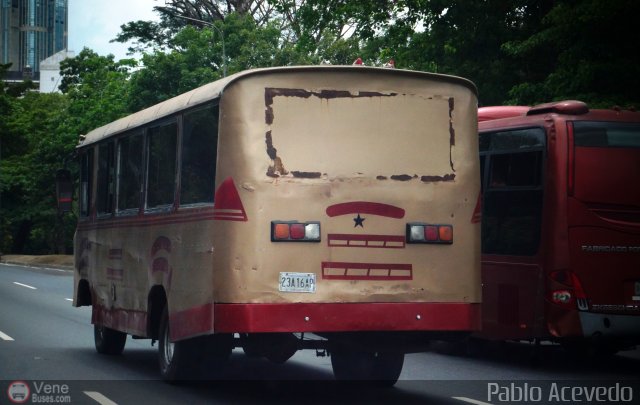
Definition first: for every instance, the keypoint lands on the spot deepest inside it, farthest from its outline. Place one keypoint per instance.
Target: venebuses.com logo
(18, 392)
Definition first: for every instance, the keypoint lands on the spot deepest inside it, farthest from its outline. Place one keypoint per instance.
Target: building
(50, 71)
(31, 31)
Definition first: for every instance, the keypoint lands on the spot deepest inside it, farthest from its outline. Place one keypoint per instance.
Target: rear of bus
(580, 281)
(354, 191)
(603, 215)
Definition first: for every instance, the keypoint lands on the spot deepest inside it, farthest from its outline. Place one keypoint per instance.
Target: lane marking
(4, 336)
(471, 401)
(24, 285)
(99, 398)
(69, 299)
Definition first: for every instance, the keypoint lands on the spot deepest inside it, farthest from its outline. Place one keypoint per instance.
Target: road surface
(46, 346)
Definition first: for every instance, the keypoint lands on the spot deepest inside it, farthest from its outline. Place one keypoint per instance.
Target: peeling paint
(277, 168)
(433, 179)
(452, 132)
(306, 175)
(403, 177)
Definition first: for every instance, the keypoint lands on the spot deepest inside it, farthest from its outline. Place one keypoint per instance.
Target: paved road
(48, 344)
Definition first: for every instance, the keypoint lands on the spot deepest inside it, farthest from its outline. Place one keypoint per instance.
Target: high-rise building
(31, 31)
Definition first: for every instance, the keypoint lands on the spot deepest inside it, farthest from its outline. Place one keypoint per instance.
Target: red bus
(561, 224)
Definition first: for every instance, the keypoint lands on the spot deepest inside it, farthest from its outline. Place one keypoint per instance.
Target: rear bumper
(333, 317)
(610, 325)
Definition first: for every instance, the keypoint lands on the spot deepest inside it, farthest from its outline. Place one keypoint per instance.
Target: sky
(93, 23)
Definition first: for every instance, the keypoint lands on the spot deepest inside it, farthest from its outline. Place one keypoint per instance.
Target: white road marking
(471, 401)
(4, 336)
(99, 398)
(69, 299)
(24, 285)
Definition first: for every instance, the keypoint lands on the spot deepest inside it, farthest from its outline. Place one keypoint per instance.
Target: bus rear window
(606, 134)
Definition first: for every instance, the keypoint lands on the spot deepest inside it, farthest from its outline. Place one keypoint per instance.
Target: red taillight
(566, 290)
(428, 233)
(288, 231)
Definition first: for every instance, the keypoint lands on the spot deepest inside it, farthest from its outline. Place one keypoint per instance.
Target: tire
(108, 341)
(178, 361)
(383, 368)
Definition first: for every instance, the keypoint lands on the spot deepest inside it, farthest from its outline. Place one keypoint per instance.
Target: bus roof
(215, 89)
(568, 108)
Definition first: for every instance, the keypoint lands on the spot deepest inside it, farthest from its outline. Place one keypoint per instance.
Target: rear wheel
(107, 340)
(177, 360)
(383, 368)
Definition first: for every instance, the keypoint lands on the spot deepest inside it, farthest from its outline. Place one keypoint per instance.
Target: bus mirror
(64, 190)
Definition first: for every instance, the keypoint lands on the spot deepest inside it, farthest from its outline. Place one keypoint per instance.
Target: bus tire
(107, 340)
(383, 368)
(177, 360)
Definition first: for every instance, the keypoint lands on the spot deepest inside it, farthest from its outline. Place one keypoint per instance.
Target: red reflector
(281, 231)
(431, 233)
(446, 233)
(297, 231)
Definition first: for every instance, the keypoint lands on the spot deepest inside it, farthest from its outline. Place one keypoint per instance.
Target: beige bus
(332, 208)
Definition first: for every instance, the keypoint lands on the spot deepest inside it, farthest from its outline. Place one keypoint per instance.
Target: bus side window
(104, 194)
(199, 153)
(512, 208)
(129, 172)
(161, 167)
(86, 177)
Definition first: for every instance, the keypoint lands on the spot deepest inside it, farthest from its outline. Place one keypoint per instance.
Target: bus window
(606, 134)
(513, 195)
(161, 170)
(104, 195)
(199, 150)
(86, 168)
(129, 172)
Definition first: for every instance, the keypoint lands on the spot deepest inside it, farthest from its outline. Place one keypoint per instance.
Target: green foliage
(583, 50)
(30, 223)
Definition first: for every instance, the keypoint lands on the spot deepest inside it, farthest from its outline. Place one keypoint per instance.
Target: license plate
(298, 282)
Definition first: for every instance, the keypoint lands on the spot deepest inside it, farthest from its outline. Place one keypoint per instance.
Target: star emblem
(359, 221)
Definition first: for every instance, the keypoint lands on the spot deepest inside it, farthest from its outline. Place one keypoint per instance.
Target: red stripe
(364, 207)
(332, 317)
(192, 322)
(301, 317)
(366, 271)
(130, 321)
(368, 241)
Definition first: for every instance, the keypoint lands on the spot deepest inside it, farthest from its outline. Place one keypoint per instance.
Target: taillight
(292, 231)
(429, 233)
(569, 292)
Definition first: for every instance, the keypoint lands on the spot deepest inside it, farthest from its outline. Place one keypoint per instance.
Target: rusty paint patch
(306, 175)
(403, 177)
(433, 179)
(271, 151)
(452, 133)
(277, 168)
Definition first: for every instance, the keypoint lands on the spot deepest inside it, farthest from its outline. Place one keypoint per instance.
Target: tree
(196, 58)
(97, 88)
(149, 36)
(30, 223)
(583, 50)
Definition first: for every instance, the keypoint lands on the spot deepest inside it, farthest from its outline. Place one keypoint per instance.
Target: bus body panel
(302, 145)
(589, 229)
